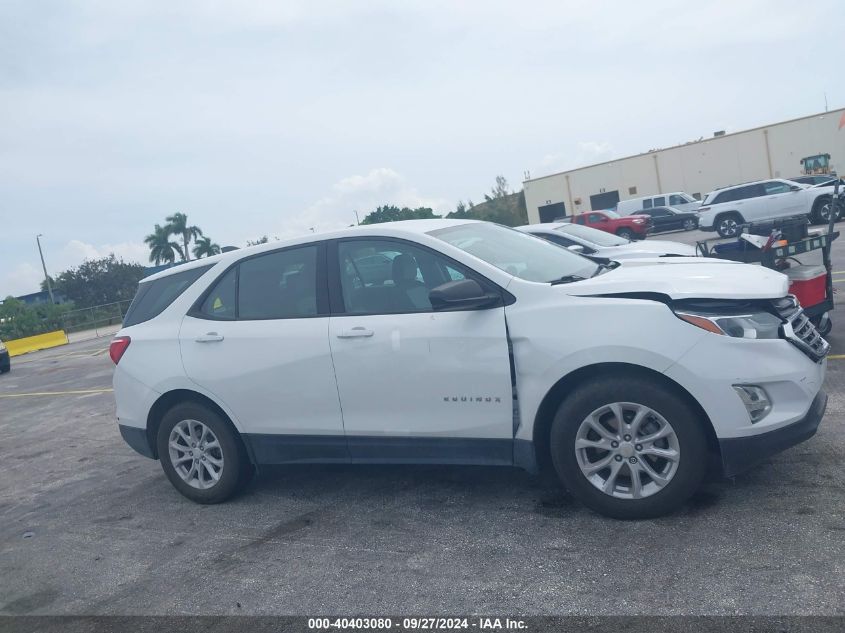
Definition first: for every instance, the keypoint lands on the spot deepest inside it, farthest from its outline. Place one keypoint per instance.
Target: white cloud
(22, 279)
(586, 153)
(361, 193)
(76, 251)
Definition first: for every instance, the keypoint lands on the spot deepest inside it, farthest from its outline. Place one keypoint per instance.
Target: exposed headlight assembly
(754, 323)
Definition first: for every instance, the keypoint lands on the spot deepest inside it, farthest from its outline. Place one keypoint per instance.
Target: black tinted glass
(154, 296)
(220, 302)
(279, 285)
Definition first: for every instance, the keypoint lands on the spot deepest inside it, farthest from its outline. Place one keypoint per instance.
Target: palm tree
(204, 247)
(177, 224)
(161, 248)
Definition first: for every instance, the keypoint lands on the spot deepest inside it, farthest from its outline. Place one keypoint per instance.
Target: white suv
(457, 342)
(725, 210)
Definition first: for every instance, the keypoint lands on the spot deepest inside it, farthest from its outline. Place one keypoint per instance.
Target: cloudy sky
(274, 117)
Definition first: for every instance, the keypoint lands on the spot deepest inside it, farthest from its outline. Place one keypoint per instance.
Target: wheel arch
(815, 208)
(170, 399)
(559, 391)
(722, 214)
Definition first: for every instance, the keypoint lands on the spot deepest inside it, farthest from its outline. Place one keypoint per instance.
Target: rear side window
(281, 285)
(278, 285)
(153, 297)
(660, 201)
(220, 302)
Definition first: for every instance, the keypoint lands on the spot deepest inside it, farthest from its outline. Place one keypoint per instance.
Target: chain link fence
(95, 321)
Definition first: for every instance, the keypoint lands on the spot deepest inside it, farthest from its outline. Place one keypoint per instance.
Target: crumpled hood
(648, 248)
(686, 278)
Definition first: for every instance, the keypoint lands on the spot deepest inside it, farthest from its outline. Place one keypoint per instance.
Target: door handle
(356, 332)
(210, 337)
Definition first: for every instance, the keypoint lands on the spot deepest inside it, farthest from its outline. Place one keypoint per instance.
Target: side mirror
(794, 188)
(576, 248)
(464, 294)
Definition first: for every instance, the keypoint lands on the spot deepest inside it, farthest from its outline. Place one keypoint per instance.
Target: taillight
(118, 347)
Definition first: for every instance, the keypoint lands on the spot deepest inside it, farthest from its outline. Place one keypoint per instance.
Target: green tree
(392, 213)
(18, 319)
(204, 247)
(177, 224)
(261, 240)
(99, 281)
(162, 250)
(499, 206)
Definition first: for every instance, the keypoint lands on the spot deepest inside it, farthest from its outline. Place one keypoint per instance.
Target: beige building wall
(772, 151)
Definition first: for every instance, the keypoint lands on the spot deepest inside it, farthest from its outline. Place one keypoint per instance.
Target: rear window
(154, 296)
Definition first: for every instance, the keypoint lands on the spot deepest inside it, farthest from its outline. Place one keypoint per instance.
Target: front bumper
(741, 453)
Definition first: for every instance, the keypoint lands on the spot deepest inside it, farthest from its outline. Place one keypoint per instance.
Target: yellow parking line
(836, 356)
(63, 357)
(54, 393)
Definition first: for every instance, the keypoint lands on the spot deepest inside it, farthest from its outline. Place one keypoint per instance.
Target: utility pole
(357, 221)
(44, 266)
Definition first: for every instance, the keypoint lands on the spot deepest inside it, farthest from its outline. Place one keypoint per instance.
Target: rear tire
(668, 469)
(727, 224)
(626, 233)
(201, 454)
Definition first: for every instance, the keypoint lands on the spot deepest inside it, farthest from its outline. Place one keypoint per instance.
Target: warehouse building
(812, 144)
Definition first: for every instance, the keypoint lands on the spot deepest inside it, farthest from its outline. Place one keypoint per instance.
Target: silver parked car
(589, 241)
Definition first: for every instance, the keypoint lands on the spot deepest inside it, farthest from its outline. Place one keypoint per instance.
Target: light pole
(357, 221)
(44, 266)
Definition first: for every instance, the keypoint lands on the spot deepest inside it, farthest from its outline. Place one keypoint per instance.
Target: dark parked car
(670, 219)
(5, 364)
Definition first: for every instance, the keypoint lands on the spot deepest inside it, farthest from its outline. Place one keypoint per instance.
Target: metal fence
(96, 318)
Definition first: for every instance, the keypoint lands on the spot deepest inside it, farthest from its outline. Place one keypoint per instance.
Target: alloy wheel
(825, 210)
(728, 227)
(195, 454)
(627, 450)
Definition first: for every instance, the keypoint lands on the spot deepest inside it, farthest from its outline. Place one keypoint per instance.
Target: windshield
(517, 253)
(594, 236)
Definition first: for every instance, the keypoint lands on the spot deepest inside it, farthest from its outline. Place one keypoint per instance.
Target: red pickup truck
(632, 227)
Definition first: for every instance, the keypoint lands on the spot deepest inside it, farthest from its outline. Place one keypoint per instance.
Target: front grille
(799, 330)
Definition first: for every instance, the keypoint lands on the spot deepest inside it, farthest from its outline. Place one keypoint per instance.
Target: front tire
(690, 225)
(728, 224)
(822, 210)
(626, 233)
(628, 448)
(201, 454)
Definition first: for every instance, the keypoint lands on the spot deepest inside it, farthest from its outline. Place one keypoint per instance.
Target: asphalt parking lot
(87, 526)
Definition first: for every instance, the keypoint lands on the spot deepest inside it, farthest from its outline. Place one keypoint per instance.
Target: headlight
(757, 325)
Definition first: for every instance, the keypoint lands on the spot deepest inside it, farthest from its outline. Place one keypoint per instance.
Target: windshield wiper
(602, 267)
(567, 279)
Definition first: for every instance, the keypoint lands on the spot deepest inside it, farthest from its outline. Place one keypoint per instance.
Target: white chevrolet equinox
(458, 342)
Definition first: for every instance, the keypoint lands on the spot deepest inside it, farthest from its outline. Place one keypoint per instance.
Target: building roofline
(666, 149)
